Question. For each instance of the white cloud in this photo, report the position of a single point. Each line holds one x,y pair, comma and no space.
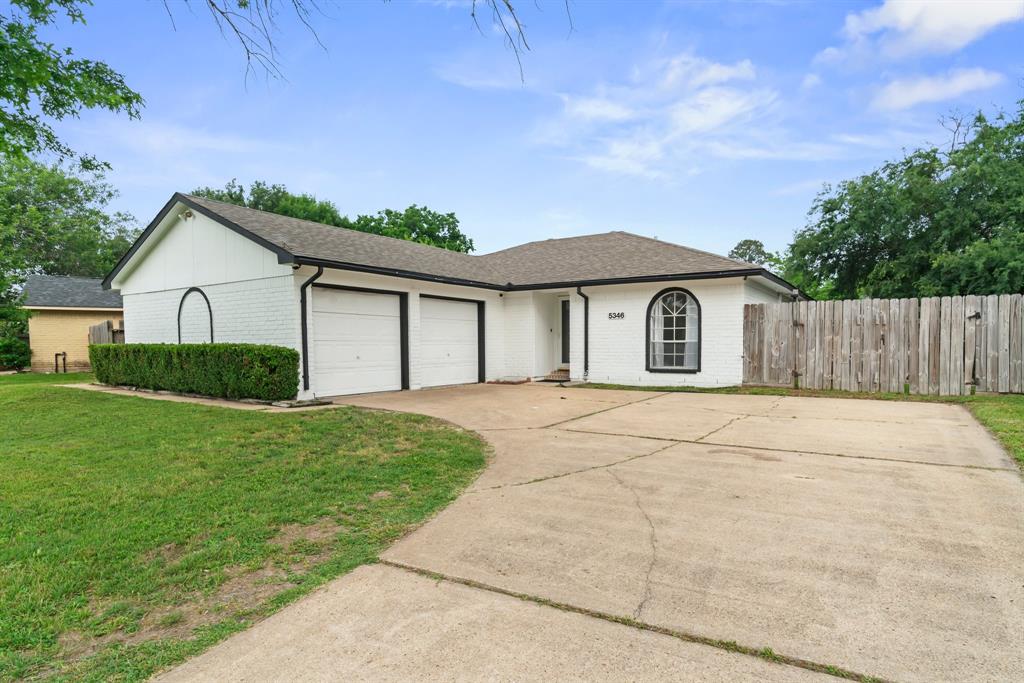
904,93
810,81
596,109
664,119
898,28
689,71
714,108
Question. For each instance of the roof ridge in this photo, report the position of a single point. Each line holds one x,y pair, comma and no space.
694,249
326,225
551,239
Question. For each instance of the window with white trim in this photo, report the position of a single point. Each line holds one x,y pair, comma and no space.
674,332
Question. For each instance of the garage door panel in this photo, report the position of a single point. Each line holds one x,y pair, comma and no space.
448,342
358,303
336,354
346,327
357,344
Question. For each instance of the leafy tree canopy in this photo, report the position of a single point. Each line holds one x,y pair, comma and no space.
936,222
416,223
752,251
54,221
39,80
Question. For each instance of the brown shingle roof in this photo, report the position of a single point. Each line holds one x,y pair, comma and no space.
609,256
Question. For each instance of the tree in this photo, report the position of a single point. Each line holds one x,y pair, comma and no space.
54,221
40,82
416,223
38,79
752,251
936,222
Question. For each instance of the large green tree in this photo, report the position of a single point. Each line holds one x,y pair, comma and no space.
936,222
55,221
416,223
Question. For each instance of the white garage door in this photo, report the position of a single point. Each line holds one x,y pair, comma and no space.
357,342
448,342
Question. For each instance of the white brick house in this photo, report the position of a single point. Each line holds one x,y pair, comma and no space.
370,313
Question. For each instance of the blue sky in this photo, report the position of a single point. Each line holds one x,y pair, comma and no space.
698,123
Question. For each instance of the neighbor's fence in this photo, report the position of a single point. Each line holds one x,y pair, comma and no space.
106,333
934,345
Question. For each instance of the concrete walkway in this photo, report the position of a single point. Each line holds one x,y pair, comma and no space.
884,539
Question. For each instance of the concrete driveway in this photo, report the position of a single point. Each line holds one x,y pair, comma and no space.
884,539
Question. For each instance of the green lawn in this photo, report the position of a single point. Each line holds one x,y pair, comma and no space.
135,532
1002,414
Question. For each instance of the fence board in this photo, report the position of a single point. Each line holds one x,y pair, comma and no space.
912,323
1016,344
956,346
992,335
971,315
1004,343
945,314
811,341
799,310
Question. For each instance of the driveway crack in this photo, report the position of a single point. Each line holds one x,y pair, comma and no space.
654,546
579,471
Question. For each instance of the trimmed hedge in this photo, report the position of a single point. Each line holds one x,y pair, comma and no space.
269,373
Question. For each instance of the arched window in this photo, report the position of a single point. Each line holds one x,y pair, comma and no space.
195,318
673,332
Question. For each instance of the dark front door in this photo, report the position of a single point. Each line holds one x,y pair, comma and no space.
565,331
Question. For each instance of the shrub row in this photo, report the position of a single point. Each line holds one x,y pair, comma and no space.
269,373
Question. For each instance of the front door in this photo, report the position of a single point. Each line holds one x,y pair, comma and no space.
565,331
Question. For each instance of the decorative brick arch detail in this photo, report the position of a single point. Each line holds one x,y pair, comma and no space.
209,309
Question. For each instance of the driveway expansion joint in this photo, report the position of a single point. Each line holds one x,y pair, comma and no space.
763,653
605,410
799,452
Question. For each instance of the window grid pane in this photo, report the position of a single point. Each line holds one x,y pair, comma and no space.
673,333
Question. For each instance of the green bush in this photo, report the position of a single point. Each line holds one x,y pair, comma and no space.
14,353
270,373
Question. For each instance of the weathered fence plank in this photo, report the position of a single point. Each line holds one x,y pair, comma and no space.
992,334
912,322
1016,344
956,346
971,315
1004,343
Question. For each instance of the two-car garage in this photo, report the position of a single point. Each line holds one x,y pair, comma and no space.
361,341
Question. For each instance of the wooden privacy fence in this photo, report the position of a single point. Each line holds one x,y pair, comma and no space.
942,346
106,333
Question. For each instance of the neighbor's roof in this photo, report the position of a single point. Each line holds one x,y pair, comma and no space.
54,291
590,259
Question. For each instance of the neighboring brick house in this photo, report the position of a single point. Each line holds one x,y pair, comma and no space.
371,313
63,309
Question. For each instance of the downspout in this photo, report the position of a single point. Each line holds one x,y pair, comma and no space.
586,333
305,327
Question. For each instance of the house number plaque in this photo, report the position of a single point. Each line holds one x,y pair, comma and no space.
617,316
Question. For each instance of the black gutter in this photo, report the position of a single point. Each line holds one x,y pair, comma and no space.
707,275
413,275
305,328
586,333
396,272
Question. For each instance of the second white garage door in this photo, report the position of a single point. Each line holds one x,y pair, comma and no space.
357,342
448,342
